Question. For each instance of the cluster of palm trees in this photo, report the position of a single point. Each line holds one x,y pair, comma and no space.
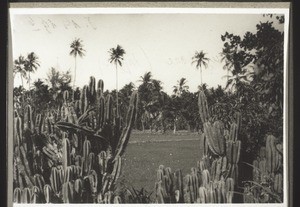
116,57
150,90
153,99
24,66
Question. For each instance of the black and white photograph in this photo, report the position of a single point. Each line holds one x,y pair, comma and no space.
149,106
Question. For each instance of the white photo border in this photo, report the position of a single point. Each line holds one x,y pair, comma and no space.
159,10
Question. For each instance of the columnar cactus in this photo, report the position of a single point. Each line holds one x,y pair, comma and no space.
169,186
92,90
203,107
267,174
47,193
73,154
17,195
66,152
215,137
196,187
220,141
215,178
105,168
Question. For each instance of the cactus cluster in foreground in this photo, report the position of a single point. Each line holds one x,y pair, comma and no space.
215,177
197,187
267,184
71,154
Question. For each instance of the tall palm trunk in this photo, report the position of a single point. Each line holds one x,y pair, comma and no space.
29,80
117,91
201,75
75,72
22,80
174,130
175,120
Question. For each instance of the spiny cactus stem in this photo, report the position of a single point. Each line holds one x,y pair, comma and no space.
126,132
25,164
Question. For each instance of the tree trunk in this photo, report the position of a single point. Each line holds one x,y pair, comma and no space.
22,80
189,127
117,91
143,126
201,75
174,130
163,127
75,73
29,81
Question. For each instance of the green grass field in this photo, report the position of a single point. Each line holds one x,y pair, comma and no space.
146,152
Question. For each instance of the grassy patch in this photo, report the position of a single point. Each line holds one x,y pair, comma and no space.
143,158
138,136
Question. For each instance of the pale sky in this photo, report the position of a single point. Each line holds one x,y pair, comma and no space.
161,43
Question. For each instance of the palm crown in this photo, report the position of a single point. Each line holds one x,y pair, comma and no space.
77,48
116,55
32,62
19,67
146,78
181,86
200,60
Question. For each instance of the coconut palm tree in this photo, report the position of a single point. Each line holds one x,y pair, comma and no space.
180,87
200,60
116,57
31,65
146,78
76,49
156,85
145,87
19,68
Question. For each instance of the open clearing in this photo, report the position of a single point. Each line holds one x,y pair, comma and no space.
145,152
